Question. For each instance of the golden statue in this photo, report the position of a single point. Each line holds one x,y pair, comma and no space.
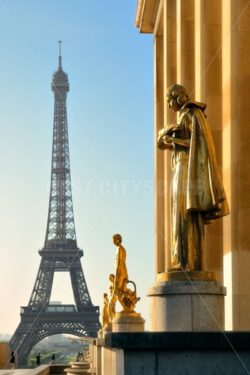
105,311
197,194
112,298
121,274
119,289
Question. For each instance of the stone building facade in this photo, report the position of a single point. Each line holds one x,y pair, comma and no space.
205,46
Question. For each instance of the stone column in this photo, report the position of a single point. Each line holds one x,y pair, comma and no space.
169,76
159,157
185,44
236,154
112,361
208,72
179,299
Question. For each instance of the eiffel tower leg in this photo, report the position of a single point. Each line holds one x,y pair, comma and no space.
26,331
79,286
23,340
40,295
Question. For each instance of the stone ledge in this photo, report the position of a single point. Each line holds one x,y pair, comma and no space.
146,15
186,287
179,341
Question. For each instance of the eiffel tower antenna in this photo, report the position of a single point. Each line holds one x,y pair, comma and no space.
60,53
60,252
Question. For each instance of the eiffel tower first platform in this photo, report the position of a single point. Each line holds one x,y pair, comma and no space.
60,253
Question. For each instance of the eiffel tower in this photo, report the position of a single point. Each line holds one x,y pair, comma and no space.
60,252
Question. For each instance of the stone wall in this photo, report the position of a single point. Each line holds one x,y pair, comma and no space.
176,353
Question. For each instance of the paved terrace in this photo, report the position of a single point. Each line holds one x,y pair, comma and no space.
40,370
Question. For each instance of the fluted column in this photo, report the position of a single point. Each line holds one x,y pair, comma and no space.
236,156
165,75
185,43
159,157
170,66
208,71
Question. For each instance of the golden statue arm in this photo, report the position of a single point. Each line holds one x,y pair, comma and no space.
167,142
181,142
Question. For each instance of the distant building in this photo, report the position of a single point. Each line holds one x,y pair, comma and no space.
4,354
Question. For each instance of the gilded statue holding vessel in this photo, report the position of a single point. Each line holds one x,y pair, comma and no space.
197,194
119,290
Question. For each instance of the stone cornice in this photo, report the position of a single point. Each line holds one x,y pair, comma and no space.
146,15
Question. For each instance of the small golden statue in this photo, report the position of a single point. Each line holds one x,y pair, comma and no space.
105,311
112,298
120,290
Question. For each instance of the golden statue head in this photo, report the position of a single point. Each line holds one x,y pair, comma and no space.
117,239
176,96
111,277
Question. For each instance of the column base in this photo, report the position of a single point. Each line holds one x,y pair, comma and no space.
179,303
128,322
175,275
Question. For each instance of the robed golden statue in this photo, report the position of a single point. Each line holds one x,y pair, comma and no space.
105,319
121,273
120,291
197,194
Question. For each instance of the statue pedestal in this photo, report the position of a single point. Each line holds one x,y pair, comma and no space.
78,368
128,322
187,301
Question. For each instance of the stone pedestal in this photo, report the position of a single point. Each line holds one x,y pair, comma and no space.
128,322
181,353
187,301
79,364
77,368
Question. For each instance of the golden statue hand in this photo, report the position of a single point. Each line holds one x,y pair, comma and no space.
161,133
165,142
168,130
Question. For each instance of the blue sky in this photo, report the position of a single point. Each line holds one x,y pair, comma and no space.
110,118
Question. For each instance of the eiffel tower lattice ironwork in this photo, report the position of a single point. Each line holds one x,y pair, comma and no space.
60,252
